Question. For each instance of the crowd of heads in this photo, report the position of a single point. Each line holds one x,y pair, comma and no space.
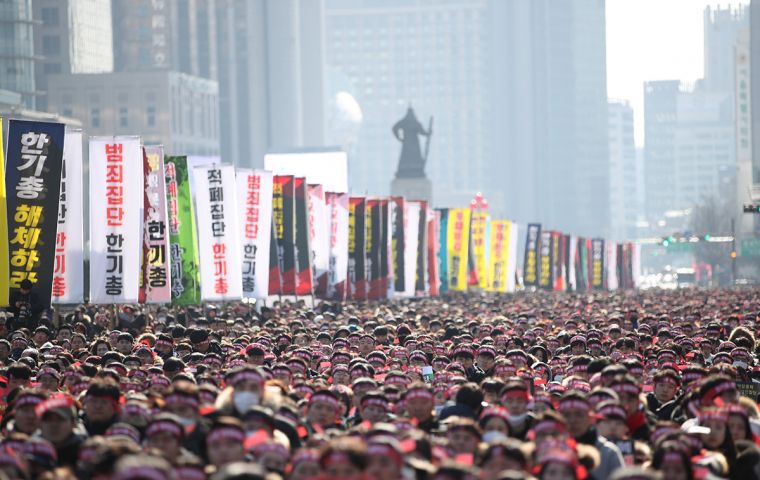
628,385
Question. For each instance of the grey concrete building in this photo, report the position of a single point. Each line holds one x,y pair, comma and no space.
174,109
17,56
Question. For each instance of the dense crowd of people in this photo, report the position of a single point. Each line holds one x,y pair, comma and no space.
626,385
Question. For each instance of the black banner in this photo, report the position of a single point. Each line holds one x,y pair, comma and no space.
283,213
356,245
420,276
304,282
530,265
373,247
397,242
545,260
33,181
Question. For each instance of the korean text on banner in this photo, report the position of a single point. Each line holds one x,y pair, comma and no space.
545,260
68,273
32,182
498,273
357,274
156,275
221,276
185,281
411,237
283,212
304,278
254,191
116,193
3,226
319,238
480,222
597,264
443,249
530,265
398,224
458,247
337,204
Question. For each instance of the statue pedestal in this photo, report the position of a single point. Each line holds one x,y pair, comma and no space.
413,189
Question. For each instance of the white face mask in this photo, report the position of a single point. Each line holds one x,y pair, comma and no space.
245,400
493,436
517,419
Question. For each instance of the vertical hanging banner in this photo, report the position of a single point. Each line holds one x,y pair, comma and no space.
411,237
572,262
304,284
319,239
556,262
388,217
283,211
384,247
530,265
611,263
254,200
597,264
356,245
433,276
4,273
514,238
116,199
480,222
498,272
398,211
458,247
156,264
545,260
373,247
337,204
420,277
183,239
443,249
68,273
221,276
567,260
32,184
275,273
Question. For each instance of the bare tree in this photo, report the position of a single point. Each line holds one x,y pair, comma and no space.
712,216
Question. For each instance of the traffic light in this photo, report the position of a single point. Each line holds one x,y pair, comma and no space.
751,208
733,254
706,237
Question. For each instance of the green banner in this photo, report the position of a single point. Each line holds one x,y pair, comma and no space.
183,240
750,247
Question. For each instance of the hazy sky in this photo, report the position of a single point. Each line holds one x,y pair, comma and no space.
653,40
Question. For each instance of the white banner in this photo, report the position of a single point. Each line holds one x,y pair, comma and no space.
218,241
337,209
68,272
319,238
514,238
411,237
254,199
156,258
116,199
572,279
611,259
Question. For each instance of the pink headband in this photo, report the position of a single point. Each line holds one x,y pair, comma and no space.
163,426
573,404
225,433
182,400
323,397
418,393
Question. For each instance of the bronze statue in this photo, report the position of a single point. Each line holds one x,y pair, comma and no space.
411,163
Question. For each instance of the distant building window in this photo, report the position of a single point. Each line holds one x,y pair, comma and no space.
67,112
51,45
123,117
95,117
50,16
151,116
52,68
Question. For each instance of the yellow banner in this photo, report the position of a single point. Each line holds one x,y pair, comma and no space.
497,265
4,269
458,247
480,254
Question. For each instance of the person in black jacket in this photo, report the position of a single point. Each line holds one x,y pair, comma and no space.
25,307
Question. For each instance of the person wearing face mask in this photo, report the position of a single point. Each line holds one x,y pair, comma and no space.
245,389
515,398
494,421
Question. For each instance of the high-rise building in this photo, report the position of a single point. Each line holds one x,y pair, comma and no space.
690,144
549,113
754,59
623,172
71,36
271,80
722,27
434,56
175,35
17,59
173,109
